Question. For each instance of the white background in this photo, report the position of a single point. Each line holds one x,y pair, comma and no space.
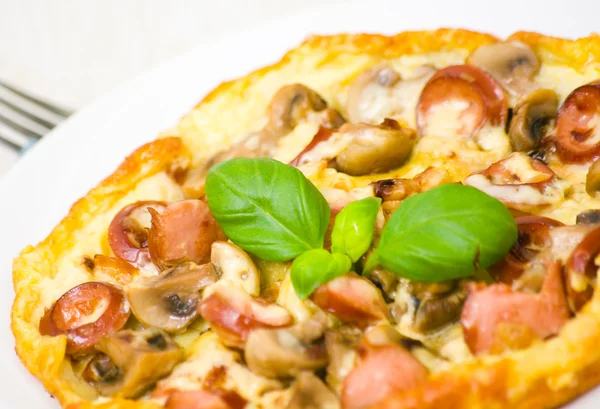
73,51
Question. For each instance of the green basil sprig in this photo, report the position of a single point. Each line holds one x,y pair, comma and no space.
445,233
353,229
267,208
315,267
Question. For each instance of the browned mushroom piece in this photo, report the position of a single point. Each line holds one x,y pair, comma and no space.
235,265
430,306
294,103
512,63
287,352
381,92
589,216
309,392
437,311
169,301
375,148
340,344
592,180
368,84
393,191
532,118
385,280
290,105
132,362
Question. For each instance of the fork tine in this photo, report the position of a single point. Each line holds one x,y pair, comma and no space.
28,115
50,107
9,143
20,128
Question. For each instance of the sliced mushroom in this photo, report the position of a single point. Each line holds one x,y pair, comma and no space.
290,105
590,216
233,264
592,180
425,307
435,312
287,352
309,392
294,103
513,64
374,81
142,358
393,191
380,92
375,149
169,301
341,350
385,280
532,118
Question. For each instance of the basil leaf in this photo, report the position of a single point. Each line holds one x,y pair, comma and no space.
445,233
353,229
316,267
267,208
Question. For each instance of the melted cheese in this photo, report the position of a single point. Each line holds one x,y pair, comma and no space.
206,353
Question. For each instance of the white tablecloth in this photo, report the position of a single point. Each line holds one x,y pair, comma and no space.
73,51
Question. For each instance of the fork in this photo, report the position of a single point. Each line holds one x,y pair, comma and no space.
24,118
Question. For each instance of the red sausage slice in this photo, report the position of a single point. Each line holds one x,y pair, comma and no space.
85,314
233,313
487,307
183,231
577,139
581,270
352,299
381,372
469,90
128,232
533,237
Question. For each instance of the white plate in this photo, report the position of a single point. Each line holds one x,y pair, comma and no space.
39,190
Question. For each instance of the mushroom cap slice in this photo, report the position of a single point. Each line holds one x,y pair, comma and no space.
289,105
589,216
234,264
375,148
310,392
592,180
289,351
436,311
531,119
169,301
512,63
373,81
142,358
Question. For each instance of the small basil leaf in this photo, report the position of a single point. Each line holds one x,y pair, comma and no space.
353,229
445,233
267,208
316,267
